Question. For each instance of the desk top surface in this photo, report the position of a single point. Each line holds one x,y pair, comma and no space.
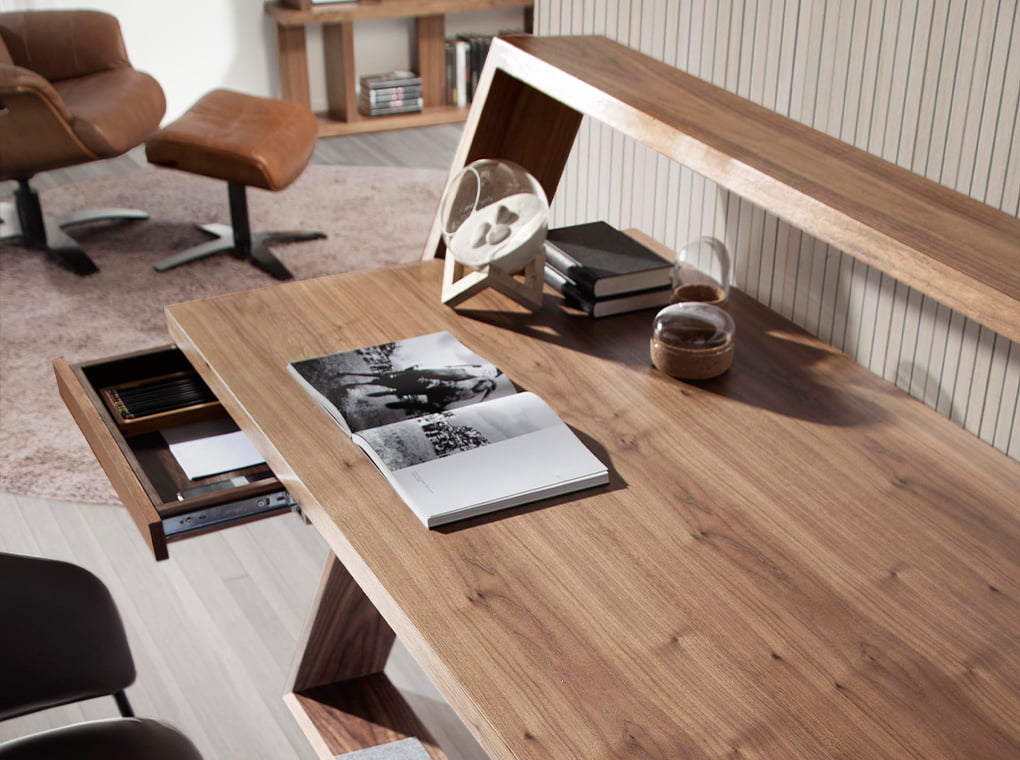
793,560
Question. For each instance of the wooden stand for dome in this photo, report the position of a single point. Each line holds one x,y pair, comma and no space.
461,282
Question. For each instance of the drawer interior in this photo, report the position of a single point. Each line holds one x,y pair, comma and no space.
151,382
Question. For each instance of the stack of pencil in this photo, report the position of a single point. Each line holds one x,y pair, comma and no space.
158,396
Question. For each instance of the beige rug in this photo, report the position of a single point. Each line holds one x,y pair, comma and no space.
373,217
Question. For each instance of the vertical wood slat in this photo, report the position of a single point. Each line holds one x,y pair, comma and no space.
430,41
931,86
338,49
293,61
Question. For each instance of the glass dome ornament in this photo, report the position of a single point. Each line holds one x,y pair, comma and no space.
692,340
701,272
494,217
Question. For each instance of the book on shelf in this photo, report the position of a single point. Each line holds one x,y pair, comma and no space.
399,78
392,107
465,59
578,298
603,261
447,429
388,94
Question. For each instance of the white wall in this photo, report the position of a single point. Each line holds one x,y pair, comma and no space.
932,85
193,46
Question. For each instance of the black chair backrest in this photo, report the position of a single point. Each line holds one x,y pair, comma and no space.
61,636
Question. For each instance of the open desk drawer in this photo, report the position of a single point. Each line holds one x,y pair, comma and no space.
133,452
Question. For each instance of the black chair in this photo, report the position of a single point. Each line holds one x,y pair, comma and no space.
62,641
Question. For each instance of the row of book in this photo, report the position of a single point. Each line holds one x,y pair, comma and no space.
602,271
390,93
465,56
396,92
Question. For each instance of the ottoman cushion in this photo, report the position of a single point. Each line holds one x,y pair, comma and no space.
232,136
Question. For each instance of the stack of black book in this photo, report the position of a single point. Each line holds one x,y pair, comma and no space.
390,93
602,271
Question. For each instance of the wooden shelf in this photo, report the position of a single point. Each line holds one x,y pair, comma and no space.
337,21
329,127
332,13
534,91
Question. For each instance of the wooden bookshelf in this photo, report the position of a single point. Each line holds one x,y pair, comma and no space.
337,21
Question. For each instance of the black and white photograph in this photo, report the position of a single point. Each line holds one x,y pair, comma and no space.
447,429
434,436
386,383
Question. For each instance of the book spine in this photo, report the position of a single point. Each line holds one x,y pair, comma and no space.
369,83
451,67
562,261
573,296
384,110
415,101
461,72
390,93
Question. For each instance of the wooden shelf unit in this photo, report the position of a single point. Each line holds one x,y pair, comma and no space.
534,91
337,21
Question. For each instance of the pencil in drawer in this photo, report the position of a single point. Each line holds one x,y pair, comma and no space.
152,403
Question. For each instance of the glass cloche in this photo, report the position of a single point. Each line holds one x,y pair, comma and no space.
692,340
494,213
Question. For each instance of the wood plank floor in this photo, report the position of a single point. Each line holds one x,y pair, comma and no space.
214,628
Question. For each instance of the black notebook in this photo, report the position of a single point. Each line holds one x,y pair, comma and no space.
603,261
575,298
447,429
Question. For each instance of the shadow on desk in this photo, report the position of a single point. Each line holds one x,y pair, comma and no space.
778,366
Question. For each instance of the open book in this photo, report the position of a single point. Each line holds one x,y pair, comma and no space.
448,429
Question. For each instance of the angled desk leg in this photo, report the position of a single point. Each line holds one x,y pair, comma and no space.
339,694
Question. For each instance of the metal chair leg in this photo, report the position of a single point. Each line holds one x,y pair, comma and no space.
238,240
123,705
24,219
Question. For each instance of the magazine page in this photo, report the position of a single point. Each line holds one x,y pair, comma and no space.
466,461
390,382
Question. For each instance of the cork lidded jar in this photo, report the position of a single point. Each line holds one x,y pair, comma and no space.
693,341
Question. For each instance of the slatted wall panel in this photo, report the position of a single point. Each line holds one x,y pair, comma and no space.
932,85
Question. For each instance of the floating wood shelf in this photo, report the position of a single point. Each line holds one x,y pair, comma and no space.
534,91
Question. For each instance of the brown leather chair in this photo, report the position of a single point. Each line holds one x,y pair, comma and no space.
68,95
62,641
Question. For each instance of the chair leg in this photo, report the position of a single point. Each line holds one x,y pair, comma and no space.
223,243
238,240
38,230
260,255
123,705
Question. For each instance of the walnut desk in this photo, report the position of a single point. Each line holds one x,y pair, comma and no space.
795,560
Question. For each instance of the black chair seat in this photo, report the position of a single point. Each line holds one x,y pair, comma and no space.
120,738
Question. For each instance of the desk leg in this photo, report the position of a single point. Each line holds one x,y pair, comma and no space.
339,694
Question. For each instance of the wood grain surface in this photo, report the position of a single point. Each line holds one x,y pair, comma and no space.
792,560
951,247
345,638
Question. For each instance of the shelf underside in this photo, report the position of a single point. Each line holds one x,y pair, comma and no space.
329,127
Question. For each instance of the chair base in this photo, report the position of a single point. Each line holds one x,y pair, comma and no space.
238,240
256,251
24,219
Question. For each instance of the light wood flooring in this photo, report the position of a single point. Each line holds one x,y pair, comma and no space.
214,628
